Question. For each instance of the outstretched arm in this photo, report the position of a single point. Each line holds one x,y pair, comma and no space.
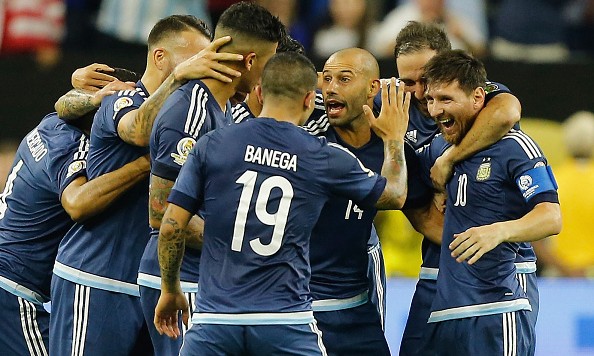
158,193
391,126
542,221
82,198
500,114
135,126
171,251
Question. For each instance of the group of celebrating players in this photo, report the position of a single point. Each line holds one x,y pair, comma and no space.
262,178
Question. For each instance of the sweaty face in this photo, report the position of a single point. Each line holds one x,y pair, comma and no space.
452,109
345,88
410,68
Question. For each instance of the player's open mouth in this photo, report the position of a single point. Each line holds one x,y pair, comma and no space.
334,107
446,122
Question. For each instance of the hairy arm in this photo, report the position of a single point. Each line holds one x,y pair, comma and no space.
82,199
427,220
158,194
542,221
496,119
391,126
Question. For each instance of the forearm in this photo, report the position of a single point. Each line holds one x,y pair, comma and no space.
428,221
194,233
171,249
160,188
493,122
394,170
74,104
96,195
136,129
542,221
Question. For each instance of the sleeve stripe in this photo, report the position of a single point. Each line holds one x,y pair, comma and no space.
196,115
316,126
83,149
365,169
239,118
527,144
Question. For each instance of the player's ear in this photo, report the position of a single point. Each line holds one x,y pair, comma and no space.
309,101
159,57
478,97
258,91
374,87
248,60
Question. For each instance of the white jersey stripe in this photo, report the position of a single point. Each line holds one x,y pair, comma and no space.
192,108
85,321
375,255
202,117
527,144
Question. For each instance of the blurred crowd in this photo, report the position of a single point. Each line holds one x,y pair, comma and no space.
519,30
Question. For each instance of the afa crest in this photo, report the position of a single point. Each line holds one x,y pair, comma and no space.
75,167
184,146
484,172
121,103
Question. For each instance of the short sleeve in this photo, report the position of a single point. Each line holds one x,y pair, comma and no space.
70,161
348,177
187,192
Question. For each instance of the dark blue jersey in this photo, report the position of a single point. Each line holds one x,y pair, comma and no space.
262,185
340,238
104,252
189,113
32,219
241,112
503,182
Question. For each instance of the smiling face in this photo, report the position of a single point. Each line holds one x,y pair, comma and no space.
453,109
411,69
346,86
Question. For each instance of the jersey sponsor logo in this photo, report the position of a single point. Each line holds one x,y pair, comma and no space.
271,158
491,87
121,103
184,146
484,171
412,136
75,167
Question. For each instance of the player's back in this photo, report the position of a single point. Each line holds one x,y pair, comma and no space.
32,219
111,243
255,257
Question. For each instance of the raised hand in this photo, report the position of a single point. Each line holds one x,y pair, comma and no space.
207,64
392,122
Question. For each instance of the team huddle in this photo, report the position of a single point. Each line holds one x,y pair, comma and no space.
223,203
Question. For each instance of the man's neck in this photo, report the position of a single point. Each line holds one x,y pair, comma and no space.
357,134
221,91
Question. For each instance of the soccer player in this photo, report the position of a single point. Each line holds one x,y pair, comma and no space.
498,197
199,106
96,307
415,45
260,186
46,190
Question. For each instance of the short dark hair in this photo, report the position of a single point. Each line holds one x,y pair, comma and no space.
456,65
175,24
123,74
302,79
417,36
253,20
289,44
